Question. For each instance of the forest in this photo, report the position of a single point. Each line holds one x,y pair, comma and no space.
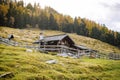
17,14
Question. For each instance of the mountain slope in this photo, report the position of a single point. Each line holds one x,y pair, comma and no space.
30,35
19,15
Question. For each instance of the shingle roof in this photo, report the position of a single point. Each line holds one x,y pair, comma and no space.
81,47
55,37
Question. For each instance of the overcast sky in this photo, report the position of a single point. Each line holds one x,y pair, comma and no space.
101,11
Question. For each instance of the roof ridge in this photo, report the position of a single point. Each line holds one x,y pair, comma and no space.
56,35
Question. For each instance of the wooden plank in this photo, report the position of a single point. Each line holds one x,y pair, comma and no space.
6,75
50,48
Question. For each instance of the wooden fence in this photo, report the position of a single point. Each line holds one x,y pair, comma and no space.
14,43
114,56
58,48
8,42
52,48
61,49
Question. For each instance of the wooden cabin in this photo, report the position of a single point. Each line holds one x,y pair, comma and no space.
62,39
61,43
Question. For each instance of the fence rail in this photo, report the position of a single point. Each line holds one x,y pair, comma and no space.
114,56
61,48
57,48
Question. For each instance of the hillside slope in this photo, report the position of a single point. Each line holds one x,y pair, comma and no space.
30,35
32,66
17,14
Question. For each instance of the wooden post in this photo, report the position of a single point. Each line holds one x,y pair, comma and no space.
39,45
44,44
61,49
78,53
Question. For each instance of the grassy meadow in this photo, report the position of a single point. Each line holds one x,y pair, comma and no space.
33,66
31,35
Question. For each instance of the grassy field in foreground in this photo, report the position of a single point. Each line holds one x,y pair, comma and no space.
33,66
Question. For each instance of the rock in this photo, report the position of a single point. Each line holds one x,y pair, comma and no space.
51,61
70,54
63,55
7,75
29,50
75,57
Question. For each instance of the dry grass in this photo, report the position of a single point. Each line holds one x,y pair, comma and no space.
30,35
102,47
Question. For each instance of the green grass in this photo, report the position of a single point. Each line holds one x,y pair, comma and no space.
33,66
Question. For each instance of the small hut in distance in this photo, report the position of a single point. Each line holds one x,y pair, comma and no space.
61,43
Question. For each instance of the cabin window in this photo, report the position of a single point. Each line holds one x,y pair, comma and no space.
61,43
51,43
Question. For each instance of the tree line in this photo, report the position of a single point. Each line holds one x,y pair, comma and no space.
18,15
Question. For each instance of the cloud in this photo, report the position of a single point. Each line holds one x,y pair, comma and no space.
115,12
112,19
